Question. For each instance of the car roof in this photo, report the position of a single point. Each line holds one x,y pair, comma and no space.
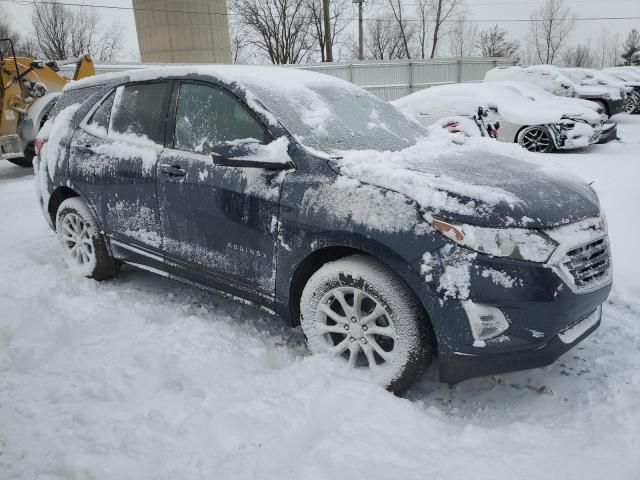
281,78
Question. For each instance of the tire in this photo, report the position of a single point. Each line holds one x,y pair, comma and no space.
27,160
631,104
389,329
536,139
22,162
85,249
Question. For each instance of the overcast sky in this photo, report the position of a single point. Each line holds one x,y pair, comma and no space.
486,12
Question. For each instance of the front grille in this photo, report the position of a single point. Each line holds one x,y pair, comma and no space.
589,264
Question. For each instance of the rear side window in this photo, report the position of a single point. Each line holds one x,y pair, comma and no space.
72,97
100,118
137,110
207,116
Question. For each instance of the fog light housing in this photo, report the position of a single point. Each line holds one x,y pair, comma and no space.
486,322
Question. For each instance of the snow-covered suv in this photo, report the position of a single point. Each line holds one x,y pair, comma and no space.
311,199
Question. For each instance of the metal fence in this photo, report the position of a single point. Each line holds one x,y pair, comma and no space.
389,79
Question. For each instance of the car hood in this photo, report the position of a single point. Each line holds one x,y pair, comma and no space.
475,187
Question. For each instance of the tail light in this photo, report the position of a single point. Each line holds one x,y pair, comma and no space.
37,145
452,127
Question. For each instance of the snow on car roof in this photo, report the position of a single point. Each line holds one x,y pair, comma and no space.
516,102
280,78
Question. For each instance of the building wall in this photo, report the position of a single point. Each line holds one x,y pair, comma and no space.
182,31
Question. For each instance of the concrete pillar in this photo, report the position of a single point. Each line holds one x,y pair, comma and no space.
182,31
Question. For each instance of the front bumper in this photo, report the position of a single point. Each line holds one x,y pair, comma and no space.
609,133
541,303
462,366
615,107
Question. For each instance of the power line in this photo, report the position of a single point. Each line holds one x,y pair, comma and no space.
227,14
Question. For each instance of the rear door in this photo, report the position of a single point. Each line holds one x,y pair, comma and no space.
219,223
115,155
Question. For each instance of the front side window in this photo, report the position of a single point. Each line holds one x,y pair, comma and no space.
207,116
137,110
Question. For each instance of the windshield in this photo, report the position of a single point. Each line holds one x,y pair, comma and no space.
330,118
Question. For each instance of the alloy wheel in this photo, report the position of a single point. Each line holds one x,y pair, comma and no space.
356,327
630,104
77,239
537,139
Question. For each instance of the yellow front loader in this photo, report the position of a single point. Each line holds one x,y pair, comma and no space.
28,91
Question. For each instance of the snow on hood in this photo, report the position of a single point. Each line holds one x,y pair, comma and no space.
476,182
514,102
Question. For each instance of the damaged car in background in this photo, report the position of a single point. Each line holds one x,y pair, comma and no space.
551,79
311,199
514,113
598,78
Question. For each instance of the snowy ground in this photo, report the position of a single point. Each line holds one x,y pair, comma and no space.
141,378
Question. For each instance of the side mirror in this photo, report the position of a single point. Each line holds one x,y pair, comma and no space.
240,162
253,154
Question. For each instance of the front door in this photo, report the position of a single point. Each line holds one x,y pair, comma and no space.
219,223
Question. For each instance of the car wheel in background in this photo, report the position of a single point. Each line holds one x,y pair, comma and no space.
536,139
85,249
358,311
631,104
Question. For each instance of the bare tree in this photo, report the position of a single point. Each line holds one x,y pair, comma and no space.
406,31
493,43
608,49
384,40
443,10
549,28
62,33
462,37
578,56
425,19
23,46
336,19
281,30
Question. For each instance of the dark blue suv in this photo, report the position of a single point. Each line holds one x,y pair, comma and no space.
309,198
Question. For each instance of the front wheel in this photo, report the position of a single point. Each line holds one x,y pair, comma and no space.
359,312
631,104
85,249
536,139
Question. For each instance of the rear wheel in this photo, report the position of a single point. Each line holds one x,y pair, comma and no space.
360,313
85,249
536,139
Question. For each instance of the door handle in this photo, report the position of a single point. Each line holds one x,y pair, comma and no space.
85,149
173,170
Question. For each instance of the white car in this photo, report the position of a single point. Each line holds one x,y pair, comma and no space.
591,77
554,81
530,116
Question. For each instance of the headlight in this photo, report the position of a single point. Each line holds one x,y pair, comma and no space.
516,243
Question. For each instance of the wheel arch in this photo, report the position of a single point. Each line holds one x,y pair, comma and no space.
316,259
58,196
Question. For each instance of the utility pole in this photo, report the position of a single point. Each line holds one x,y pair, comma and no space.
327,31
360,32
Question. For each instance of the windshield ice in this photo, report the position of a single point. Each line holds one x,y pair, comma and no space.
329,118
